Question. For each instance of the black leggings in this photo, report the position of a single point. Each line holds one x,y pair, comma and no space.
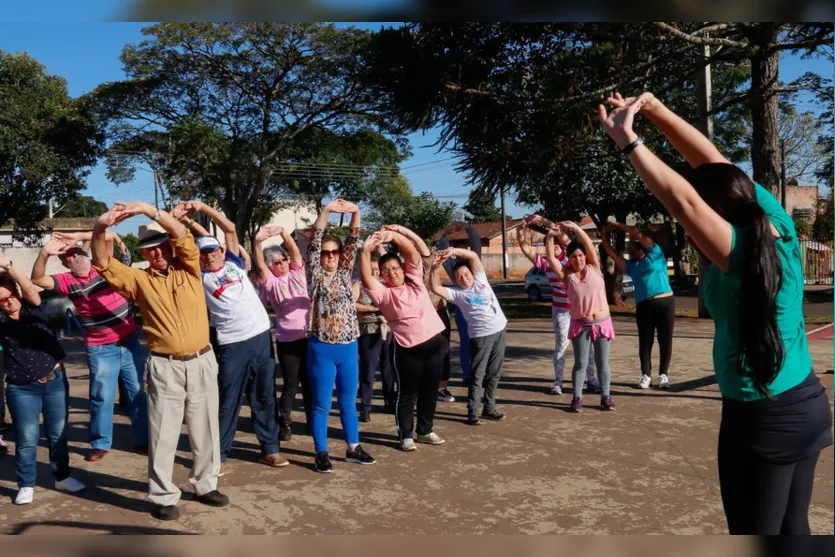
370,348
418,370
656,314
443,313
762,497
292,357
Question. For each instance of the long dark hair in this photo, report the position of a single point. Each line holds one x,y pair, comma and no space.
729,192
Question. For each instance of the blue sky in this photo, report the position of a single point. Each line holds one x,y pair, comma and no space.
87,54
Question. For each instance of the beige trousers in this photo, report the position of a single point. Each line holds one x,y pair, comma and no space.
176,388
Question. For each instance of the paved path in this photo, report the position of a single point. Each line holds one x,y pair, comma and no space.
648,468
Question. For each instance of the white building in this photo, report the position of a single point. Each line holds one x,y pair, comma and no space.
24,257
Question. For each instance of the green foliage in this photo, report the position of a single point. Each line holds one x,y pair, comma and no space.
482,207
83,206
392,202
802,225
48,142
824,225
131,241
237,112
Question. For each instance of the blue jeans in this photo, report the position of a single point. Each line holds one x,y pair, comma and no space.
249,365
107,363
26,403
329,364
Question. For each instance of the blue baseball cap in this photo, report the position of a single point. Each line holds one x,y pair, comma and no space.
207,243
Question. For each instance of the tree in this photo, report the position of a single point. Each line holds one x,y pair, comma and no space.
247,114
131,241
481,207
822,229
513,102
802,225
48,143
83,206
394,203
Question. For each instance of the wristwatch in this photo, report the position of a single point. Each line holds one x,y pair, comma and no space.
8,266
157,215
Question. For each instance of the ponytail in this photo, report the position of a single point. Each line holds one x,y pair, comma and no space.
761,347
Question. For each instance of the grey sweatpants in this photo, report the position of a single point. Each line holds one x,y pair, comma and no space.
176,388
486,358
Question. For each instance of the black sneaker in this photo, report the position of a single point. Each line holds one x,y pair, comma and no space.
213,499
166,512
474,420
359,456
390,407
322,462
365,417
284,434
493,414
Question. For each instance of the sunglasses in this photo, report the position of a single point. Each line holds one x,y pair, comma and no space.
333,252
279,261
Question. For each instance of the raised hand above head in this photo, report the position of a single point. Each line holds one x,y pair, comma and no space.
646,101
385,236
55,246
618,122
268,232
115,215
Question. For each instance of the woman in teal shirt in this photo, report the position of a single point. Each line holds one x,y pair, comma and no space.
656,309
775,413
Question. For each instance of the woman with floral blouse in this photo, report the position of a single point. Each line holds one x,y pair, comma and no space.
333,330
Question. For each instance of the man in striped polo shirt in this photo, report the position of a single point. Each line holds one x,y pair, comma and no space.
559,302
113,349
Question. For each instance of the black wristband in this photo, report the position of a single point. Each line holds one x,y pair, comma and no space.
631,147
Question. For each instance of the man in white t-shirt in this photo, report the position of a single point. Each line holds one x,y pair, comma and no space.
243,337
486,324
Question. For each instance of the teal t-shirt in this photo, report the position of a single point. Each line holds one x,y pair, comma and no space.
722,301
649,275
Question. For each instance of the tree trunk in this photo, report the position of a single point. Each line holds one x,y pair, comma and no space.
765,148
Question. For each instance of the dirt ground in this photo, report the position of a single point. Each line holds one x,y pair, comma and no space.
648,468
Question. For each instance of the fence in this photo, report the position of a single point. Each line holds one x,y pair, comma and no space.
817,259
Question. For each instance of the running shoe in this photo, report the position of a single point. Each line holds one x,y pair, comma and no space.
606,403
663,382
493,414
430,439
25,495
555,389
445,396
70,485
576,404
407,445
365,417
322,462
645,382
359,456
473,420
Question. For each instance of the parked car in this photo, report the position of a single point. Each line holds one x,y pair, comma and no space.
538,288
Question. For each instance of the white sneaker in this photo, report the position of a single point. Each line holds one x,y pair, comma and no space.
70,485
431,439
408,445
663,382
24,496
645,382
555,389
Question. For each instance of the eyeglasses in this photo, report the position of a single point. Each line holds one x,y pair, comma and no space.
279,261
332,252
6,300
390,271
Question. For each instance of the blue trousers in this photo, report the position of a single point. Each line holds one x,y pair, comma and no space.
330,364
464,337
26,403
247,365
108,363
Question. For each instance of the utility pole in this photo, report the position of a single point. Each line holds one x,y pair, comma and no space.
504,238
783,173
705,100
156,189
51,207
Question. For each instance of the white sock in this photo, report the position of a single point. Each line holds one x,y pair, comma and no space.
352,446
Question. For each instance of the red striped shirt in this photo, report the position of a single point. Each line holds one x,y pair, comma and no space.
559,295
